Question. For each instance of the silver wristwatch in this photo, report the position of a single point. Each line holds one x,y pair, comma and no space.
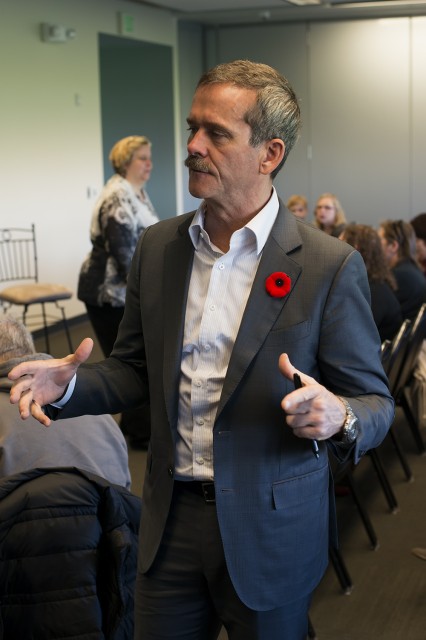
350,427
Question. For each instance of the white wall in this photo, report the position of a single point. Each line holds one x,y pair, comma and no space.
363,97
50,122
360,116
191,66
361,85
418,128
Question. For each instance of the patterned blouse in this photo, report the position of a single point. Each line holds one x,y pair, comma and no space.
118,219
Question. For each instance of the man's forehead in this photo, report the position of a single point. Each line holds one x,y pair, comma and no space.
225,90
219,100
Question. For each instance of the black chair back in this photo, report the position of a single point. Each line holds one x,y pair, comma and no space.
414,343
398,350
385,354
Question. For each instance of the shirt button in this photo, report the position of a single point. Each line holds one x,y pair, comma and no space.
198,383
200,421
221,266
212,307
199,461
207,347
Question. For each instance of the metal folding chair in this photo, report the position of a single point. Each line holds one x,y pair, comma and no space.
18,262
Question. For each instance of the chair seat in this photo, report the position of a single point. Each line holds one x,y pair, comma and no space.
34,293
18,269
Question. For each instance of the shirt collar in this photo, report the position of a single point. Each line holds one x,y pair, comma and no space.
260,226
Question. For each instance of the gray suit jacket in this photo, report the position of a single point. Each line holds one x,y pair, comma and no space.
272,492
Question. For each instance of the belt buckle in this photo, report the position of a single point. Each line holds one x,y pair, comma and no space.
208,492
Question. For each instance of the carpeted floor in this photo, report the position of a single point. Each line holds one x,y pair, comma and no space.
388,599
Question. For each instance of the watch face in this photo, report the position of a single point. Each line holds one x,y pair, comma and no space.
350,430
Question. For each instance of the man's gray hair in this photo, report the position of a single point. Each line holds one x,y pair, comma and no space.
276,113
15,339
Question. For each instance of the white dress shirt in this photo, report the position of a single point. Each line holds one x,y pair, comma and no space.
218,292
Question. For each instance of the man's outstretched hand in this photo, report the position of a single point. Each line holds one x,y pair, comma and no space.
40,382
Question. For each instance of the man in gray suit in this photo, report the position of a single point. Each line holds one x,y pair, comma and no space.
223,307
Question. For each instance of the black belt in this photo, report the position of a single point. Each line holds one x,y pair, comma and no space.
204,489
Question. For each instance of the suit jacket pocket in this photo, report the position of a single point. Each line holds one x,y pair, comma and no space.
289,335
300,489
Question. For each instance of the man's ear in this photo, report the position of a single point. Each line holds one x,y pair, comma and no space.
273,153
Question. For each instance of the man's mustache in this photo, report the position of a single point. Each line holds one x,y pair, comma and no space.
197,164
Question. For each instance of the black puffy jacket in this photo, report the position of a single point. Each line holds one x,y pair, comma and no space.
68,556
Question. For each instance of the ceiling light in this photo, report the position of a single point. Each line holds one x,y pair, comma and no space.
378,3
302,3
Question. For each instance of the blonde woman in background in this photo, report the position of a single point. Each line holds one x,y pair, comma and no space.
122,211
329,215
298,205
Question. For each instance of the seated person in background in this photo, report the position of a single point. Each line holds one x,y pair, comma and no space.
419,225
384,303
92,443
399,245
298,205
329,215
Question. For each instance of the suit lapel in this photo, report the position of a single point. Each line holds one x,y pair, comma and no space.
262,310
176,276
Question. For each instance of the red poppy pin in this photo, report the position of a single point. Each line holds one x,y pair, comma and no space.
278,284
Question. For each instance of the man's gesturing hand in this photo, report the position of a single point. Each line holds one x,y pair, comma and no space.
312,411
40,382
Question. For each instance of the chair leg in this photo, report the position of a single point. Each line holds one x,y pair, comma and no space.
340,569
65,323
311,631
403,460
45,328
412,423
384,480
362,511
45,331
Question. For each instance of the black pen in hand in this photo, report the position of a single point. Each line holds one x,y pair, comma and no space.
297,385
